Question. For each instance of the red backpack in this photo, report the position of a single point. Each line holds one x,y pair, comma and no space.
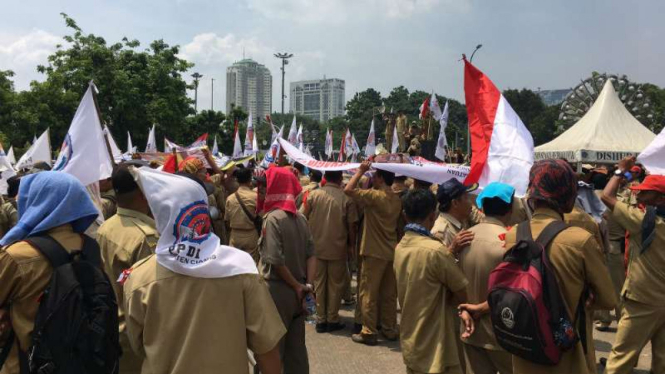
528,312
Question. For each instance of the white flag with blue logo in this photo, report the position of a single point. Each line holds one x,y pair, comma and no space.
83,153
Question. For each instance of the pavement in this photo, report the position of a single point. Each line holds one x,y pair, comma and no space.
335,353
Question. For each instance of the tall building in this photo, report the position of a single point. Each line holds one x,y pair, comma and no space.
321,99
249,85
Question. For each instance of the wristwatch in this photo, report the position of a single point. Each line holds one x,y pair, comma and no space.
623,174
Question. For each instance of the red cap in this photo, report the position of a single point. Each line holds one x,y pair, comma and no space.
636,169
651,183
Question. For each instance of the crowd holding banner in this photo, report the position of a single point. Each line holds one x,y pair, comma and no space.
195,246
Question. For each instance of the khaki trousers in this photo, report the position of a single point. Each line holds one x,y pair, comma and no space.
247,240
130,362
357,316
292,349
449,370
639,324
329,288
484,361
378,289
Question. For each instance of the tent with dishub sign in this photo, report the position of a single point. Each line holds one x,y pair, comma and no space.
606,134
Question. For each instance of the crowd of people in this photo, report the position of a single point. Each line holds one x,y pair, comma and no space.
217,270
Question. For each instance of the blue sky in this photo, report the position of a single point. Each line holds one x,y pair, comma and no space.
369,43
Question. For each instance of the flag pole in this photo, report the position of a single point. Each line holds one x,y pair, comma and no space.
99,115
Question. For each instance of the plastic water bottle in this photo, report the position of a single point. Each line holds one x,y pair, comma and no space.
310,306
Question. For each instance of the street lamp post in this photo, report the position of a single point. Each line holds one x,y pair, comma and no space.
285,60
212,94
196,77
474,51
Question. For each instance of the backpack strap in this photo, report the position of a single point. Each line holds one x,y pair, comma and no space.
91,252
51,249
550,232
648,228
244,207
524,231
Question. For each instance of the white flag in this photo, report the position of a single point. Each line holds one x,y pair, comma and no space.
10,156
329,143
83,153
395,145
653,156
293,132
442,142
6,171
250,138
273,153
39,151
370,148
301,139
169,145
355,146
435,108
117,153
215,147
237,145
130,146
151,147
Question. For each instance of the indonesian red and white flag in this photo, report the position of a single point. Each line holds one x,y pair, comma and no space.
502,147
424,109
370,147
344,147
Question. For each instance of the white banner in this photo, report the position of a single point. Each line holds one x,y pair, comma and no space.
429,172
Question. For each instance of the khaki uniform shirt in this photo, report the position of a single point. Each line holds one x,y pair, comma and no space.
477,261
304,180
382,211
306,190
446,227
645,281
235,215
414,147
182,324
285,241
24,274
426,276
577,262
124,239
8,217
616,232
579,218
331,214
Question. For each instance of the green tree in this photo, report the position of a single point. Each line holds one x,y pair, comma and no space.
360,111
137,88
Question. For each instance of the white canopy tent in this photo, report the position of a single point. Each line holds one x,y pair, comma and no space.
606,134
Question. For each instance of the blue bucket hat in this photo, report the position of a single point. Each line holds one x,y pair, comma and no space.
503,191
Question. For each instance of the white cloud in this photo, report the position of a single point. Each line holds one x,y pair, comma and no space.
23,53
339,11
212,54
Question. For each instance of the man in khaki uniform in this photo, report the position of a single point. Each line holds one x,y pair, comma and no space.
382,209
8,216
402,130
455,210
332,220
313,183
482,352
125,238
643,315
287,263
24,271
430,286
576,258
108,199
389,120
243,231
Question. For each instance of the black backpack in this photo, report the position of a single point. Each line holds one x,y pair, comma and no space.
76,328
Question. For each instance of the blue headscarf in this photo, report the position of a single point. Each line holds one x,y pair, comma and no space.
50,199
